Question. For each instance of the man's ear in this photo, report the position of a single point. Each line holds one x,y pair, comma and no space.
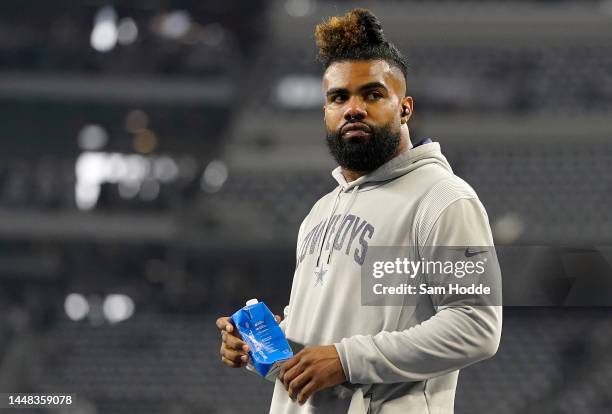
407,107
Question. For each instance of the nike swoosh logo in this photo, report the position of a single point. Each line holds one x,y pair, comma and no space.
470,253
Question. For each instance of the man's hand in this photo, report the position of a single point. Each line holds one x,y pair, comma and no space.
310,370
234,351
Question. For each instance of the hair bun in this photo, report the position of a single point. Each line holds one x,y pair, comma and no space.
356,29
358,35
371,25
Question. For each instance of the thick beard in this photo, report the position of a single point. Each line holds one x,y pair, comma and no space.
364,154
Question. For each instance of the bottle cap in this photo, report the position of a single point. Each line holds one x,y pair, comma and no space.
252,302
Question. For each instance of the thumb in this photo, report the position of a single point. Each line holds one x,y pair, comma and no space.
278,318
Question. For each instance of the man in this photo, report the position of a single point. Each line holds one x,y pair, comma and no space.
375,359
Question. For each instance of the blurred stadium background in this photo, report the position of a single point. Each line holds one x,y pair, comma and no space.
158,156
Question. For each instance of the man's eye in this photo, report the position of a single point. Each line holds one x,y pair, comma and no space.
374,96
339,98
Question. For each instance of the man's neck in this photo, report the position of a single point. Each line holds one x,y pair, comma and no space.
352,175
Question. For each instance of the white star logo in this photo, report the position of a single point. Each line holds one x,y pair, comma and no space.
319,276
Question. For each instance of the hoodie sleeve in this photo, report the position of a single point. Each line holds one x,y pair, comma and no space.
454,337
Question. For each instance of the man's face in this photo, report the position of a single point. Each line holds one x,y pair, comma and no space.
363,112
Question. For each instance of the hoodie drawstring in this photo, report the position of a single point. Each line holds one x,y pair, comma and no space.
346,211
329,217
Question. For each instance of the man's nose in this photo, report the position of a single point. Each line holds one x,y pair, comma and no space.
355,110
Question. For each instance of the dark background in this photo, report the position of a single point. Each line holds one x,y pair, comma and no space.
157,158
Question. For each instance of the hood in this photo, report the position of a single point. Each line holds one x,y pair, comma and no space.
423,153
409,160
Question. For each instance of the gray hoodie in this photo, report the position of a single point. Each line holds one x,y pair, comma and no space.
397,359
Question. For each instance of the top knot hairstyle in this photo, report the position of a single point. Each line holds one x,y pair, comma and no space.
357,35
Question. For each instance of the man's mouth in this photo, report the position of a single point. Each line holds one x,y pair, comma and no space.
355,130
355,134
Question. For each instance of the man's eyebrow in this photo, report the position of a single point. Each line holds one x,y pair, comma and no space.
371,85
336,91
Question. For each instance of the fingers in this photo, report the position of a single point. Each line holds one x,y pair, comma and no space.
237,358
233,349
298,383
224,324
231,364
290,374
310,388
289,364
233,342
233,355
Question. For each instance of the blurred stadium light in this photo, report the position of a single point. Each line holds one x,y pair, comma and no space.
76,306
104,33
